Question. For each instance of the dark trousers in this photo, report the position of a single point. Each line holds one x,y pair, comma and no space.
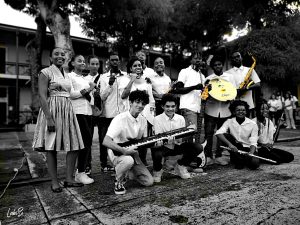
85,125
210,123
278,155
189,152
277,116
103,124
239,160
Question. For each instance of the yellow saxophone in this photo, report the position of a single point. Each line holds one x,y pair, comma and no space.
247,81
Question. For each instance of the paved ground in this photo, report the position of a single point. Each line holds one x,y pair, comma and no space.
221,195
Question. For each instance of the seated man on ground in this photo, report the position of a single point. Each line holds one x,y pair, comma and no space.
124,127
168,121
240,133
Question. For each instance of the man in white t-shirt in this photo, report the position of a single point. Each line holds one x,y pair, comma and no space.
161,83
239,73
190,85
124,127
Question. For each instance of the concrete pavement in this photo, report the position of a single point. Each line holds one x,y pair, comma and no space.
222,195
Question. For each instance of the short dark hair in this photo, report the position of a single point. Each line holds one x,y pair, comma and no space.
92,57
168,98
131,61
214,59
139,95
196,53
237,103
113,53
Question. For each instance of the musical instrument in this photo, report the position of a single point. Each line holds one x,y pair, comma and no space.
249,154
222,90
247,81
150,141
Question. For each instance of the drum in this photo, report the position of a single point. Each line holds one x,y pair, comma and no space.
222,90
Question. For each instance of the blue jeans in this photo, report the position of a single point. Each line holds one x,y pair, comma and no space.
210,123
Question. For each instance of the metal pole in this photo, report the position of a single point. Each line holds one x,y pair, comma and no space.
17,80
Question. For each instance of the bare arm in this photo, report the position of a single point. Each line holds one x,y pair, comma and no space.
43,89
127,89
227,142
109,143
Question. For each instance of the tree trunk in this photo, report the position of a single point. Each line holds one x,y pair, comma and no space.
59,24
34,50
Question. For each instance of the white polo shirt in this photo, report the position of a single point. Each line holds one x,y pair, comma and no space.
246,133
125,127
160,84
217,108
163,123
191,100
80,104
239,75
111,95
266,132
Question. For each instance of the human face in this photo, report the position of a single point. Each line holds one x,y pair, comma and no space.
236,59
141,56
58,57
240,111
79,63
114,61
273,97
159,65
137,68
196,61
169,109
136,107
264,110
218,67
94,66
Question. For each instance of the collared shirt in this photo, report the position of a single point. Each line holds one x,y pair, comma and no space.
239,75
265,132
246,133
274,105
163,123
125,127
160,84
111,95
217,108
80,104
191,100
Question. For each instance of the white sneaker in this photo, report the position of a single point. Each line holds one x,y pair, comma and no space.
221,161
119,188
182,172
83,178
157,176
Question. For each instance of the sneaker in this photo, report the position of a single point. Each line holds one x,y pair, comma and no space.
209,161
288,128
119,188
107,168
182,172
197,170
169,163
221,161
294,128
83,178
157,176
88,170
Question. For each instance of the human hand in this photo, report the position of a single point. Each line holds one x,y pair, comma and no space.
50,125
193,126
92,85
133,76
233,148
111,80
130,151
198,86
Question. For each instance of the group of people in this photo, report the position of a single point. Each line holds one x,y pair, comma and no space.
283,106
142,102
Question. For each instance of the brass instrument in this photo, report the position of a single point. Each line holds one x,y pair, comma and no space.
247,81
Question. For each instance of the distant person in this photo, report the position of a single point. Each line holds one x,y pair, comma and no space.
161,83
266,131
112,85
274,106
288,111
57,129
240,133
294,104
81,99
239,73
124,127
280,111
